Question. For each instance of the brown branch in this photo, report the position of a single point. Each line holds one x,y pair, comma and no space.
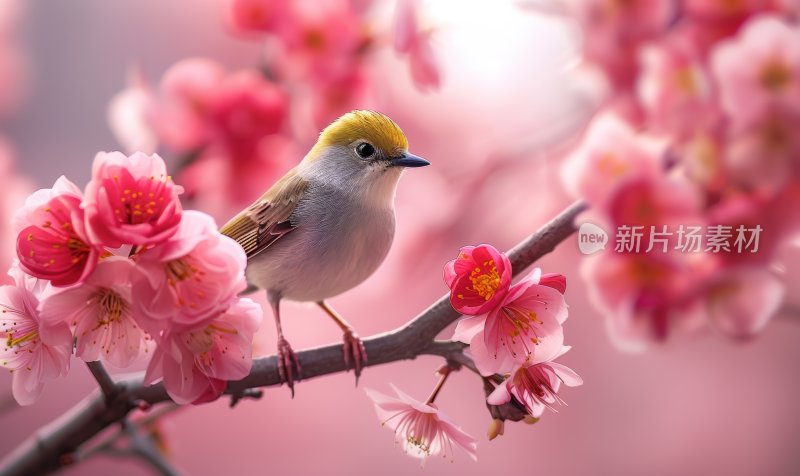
55,443
107,385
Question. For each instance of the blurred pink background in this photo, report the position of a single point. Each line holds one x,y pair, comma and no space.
698,405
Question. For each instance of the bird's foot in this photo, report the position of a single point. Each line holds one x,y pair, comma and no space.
354,352
287,364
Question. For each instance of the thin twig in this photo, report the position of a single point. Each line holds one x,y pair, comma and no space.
107,385
45,450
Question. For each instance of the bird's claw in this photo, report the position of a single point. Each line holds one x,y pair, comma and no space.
354,352
287,364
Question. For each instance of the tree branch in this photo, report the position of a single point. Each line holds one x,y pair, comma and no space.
107,385
45,450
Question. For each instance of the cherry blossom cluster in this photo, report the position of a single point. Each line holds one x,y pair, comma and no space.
698,131
515,333
248,126
119,271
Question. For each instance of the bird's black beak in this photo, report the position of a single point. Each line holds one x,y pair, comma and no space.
409,160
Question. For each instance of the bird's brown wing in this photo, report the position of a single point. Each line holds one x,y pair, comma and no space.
267,220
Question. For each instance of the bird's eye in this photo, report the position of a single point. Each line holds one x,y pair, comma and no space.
365,150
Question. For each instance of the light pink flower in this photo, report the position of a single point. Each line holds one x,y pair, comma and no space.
186,94
759,68
324,39
33,351
613,30
52,242
525,325
423,429
674,87
478,279
131,114
413,41
101,312
535,384
742,301
194,363
191,277
764,155
131,200
15,189
611,154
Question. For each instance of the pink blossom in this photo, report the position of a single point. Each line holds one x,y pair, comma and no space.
525,325
423,429
245,109
724,10
323,41
610,155
674,87
15,189
195,362
131,113
330,97
186,94
535,384
131,200
742,301
33,351
478,279
256,16
101,312
647,297
613,30
759,68
236,181
413,41
764,155
52,242
190,278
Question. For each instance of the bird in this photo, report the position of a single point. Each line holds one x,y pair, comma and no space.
326,225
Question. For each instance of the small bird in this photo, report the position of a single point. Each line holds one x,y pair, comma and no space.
326,225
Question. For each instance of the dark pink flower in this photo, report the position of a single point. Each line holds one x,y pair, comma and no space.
131,200
526,324
423,429
52,242
195,362
478,279
190,278
535,384
101,312
256,16
34,351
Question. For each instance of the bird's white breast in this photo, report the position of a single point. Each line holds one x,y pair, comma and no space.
338,243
